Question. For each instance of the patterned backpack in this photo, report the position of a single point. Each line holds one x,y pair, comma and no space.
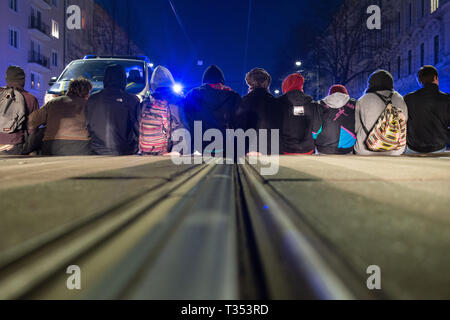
389,133
155,128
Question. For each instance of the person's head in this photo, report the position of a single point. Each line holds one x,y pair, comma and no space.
213,75
380,80
161,78
293,82
258,78
80,88
15,76
428,75
337,88
115,77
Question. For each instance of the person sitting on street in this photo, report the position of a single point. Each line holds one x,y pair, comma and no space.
334,129
65,121
213,104
259,109
162,115
429,115
18,142
112,116
299,111
370,107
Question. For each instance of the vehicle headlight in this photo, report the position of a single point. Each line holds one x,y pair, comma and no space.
49,96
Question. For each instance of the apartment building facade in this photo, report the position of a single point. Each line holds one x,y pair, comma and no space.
413,33
32,38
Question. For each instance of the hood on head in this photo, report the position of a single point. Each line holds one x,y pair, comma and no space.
337,100
213,75
115,77
380,80
293,82
161,78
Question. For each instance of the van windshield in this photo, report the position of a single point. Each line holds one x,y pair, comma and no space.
94,70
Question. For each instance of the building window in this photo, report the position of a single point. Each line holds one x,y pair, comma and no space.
55,29
434,5
35,81
436,50
13,5
399,22
54,59
423,8
409,62
422,54
55,3
399,67
13,38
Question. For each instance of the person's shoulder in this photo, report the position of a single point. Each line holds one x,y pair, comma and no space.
28,95
132,98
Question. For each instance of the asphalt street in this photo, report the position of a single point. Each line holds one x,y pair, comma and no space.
389,212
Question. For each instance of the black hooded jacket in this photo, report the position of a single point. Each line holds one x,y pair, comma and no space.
429,118
299,111
112,116
215,108
259,110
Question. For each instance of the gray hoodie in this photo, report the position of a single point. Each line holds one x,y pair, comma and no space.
337,100
368,110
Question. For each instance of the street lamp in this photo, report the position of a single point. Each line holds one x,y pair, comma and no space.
298,63
277,92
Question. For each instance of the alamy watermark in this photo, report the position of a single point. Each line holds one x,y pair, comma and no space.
74,280
73,21
374,280
235,147
374,21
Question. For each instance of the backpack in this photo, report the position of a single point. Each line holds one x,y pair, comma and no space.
389,133
13,110
155,128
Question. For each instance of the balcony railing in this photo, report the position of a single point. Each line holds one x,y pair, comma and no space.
35,57
39,25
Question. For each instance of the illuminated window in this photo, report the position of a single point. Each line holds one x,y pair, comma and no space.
35,81
434,5
55,29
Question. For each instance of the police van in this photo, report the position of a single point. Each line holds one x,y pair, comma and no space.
138,69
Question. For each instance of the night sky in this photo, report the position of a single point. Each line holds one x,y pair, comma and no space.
215,32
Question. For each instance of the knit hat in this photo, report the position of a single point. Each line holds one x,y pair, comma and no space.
213,75
293,82
161,78
380,80
258,78
338,88
15,74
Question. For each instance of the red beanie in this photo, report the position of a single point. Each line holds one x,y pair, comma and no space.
337,88
293,82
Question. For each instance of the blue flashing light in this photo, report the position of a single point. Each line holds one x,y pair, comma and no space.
177,88
90,56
